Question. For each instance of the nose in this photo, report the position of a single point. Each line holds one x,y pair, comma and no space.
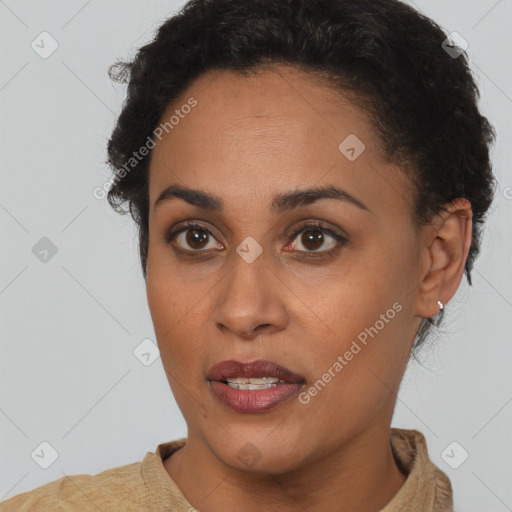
250,300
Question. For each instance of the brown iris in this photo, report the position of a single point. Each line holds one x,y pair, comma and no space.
195,237
314,237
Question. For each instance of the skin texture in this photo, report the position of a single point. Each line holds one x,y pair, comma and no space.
248,139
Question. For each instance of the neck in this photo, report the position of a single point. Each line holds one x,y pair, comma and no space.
360,475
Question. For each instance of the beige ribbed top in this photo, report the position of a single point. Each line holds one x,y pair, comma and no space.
147,486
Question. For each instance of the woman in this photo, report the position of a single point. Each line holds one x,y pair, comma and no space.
309,181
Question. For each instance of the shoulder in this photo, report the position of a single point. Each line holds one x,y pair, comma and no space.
85,492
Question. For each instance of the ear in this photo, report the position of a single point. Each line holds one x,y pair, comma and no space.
445,247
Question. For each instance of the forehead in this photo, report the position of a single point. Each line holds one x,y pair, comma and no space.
270,130
261,101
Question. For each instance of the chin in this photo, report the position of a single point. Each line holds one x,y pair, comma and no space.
259,452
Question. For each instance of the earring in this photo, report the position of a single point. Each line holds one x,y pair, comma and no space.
441,305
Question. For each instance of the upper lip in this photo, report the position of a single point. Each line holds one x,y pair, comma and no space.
259,368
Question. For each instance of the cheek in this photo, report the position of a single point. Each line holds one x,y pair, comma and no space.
178,314
169,298
177,329
351,296
357,378
367,314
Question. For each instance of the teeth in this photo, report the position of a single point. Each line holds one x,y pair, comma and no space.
254,383
253,380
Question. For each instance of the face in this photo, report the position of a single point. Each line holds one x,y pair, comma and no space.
323,286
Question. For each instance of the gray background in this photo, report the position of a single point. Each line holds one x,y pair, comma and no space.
70,325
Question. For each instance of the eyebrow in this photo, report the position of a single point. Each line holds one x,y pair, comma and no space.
281,202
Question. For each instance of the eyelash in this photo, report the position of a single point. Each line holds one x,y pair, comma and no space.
171,235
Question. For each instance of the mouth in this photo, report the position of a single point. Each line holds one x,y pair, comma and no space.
253,387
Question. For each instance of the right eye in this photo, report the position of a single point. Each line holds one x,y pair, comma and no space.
193,238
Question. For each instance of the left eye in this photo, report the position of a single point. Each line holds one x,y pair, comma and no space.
313,237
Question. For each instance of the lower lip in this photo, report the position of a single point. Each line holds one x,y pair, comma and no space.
254,401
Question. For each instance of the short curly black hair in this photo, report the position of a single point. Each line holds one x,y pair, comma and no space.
390,59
